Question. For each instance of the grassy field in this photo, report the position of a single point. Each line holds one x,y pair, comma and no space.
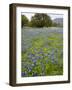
42,52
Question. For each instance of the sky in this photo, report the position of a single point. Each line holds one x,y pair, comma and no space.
53,16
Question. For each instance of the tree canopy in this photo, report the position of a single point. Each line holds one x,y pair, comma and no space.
41,20
24,21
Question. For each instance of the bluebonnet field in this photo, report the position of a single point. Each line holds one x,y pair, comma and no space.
42,52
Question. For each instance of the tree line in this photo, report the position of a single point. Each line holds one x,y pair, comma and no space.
38,20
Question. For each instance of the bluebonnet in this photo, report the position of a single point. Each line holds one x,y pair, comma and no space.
33,60
23,73
30,69
30,55
40,52
39,57
52,57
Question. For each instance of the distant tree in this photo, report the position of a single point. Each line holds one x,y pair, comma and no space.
41,20
24,21
57,24
54,24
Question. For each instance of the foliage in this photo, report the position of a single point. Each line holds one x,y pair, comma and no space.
56,24
41,20
24,21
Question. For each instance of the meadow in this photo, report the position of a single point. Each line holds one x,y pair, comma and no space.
41,51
